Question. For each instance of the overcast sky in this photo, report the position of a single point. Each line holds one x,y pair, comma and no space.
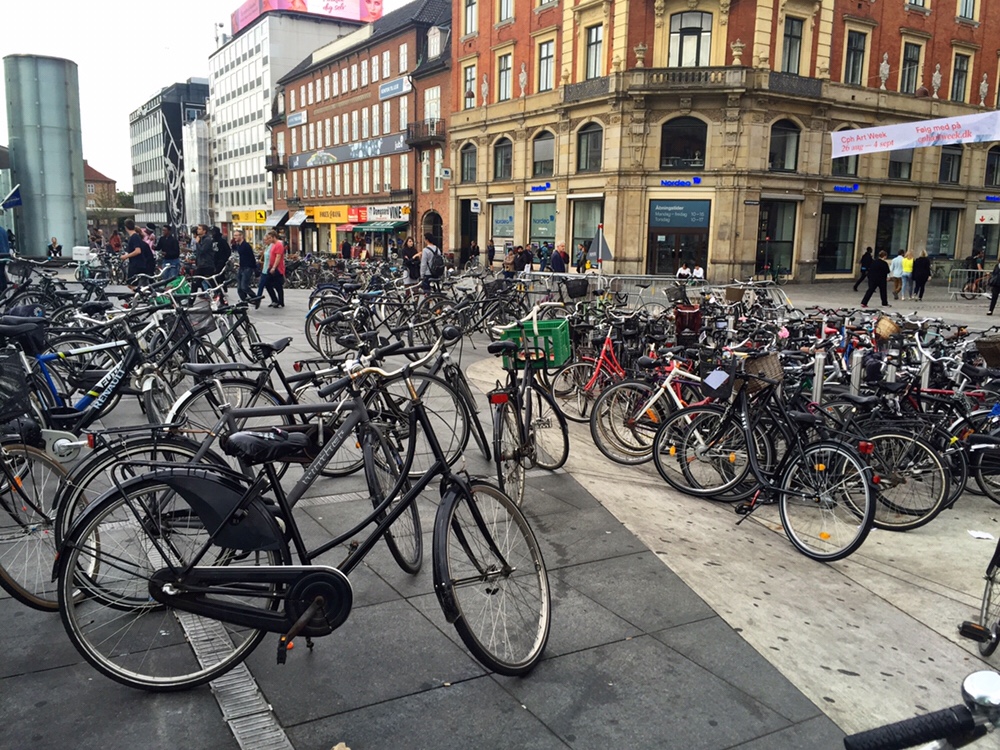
126,51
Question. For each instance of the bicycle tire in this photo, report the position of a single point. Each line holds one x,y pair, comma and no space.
621,429
913,483
455,376
157,398
30,482
115,625
503,611
834,519
507,452
573,391
548,432
989,612
383,473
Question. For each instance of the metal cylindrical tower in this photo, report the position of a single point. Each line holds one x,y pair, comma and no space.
46,151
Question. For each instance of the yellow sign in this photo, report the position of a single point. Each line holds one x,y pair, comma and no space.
261,217
329,214
249,217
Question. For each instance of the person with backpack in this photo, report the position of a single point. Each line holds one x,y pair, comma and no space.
431,263
222,250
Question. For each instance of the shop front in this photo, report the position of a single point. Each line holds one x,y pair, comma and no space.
588,214
987,234
838,233
385,227
327,220
776,235
541,221
942,232
252,224
677,233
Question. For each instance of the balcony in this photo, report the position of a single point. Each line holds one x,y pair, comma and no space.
426,133
658,79
275,162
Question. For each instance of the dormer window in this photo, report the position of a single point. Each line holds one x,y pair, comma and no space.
433,43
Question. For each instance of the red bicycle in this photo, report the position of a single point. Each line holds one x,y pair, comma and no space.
576,386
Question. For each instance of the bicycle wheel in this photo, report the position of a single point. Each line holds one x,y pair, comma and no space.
969,291
548,432
913,482
696,452
29,485
575,388
989,612
507,452
349,458
157,397
383,466
621,424
110,556
826,505
489,573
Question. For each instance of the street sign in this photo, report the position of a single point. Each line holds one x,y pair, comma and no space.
475,206
261,217
751,203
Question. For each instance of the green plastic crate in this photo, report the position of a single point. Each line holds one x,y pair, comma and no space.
548,340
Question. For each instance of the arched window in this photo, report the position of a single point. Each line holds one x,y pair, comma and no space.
682,143
468,161
783,154
690,40
993,168
543,154
589,144
503,157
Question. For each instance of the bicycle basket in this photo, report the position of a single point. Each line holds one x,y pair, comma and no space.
576,288
14,398
548,344
200,315
886,328
717,379
492,289
989,348
768,366
734,294
179,285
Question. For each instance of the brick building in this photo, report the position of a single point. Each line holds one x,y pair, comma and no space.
700,130
358,136
101,190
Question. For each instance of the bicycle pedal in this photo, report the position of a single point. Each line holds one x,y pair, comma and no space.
743,509
975,632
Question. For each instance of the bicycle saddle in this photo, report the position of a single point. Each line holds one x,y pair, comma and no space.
17,320
206,370
897,387
977,373
858,400
351,287
260,447
263,350
95,307
646,363
503,347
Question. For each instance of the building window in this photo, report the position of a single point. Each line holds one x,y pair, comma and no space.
387,174
346,127
546,65
366,178
468,157
433,43
336,180
910,71
792,48
385,64
468,87
326,128
471,17
432,103
375,70
291,100
335,80
326,87
942,231
404,57
595,44
404,113
854,63
354,125
386,117
364,124
783,155
364,72
439,169
951,164
354,76
967,9
959,77
682,143
425,171
588,148
355,183
504,64
404,171
506,11
690,40
900,164
543,154
91,190
844,166
309,93
376,175
343,80
375,120
992,168
503,159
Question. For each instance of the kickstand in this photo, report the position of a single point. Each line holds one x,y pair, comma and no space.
745,509
285,642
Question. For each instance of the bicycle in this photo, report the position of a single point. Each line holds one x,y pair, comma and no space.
182,555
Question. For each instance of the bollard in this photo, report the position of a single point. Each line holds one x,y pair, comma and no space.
819,373
856,358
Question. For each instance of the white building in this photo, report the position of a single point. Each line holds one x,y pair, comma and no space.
243,71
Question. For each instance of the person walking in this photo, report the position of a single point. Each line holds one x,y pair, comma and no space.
411,262
248,264
137,253
866,262
907,277
896,271
429,251
878,274
269,240
994,284
581,258
558,260
491,253
474,252
276,274
921,274
169,251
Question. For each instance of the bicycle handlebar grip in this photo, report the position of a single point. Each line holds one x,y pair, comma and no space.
387,351
336,385
915,731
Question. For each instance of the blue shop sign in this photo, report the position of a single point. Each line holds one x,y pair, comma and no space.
993,198
541,188
846,188
296,118
689,214
681,183
396,87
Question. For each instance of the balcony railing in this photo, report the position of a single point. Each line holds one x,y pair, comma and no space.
715,78
426,132
275,163
593,87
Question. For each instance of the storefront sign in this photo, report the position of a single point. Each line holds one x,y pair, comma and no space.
846,188
392,212
249,217
399,86
988,216
681,183
475,206
503,220
940,132
390,144
296,118
541,188
357,214
679,213
993,198
330,214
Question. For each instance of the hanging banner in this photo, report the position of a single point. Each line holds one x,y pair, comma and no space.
941,132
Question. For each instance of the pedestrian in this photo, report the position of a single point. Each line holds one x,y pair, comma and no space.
543,257
581,258
411,262
921,274
269,240
169,251
276,274
508,263
878,274
994,284
55,249
474,252
520,259
866,262
558,260
137,253
430,250
115,242
248,264
345,249
204,254
491,253
896,271
907,277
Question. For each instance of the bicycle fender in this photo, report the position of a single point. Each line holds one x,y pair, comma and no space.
450,495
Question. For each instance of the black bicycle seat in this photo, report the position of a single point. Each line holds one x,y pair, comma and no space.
858,400
96,307
503,347
260,447
351,287
646,363
264,350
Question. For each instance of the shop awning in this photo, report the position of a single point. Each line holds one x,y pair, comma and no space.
345,227
382,226
298,218
275,218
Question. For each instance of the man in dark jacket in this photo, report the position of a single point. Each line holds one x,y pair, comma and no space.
866,263
170,252
520,259
248,264
878,275
204,252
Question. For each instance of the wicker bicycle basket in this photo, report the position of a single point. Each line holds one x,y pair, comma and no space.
15,400
886,328
768,366
734,294
989,348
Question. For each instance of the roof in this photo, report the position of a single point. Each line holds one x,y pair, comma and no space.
92,175
417,13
